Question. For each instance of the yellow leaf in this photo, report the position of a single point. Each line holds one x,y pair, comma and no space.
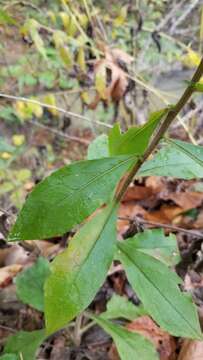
72,29
191,59
85,97
21,110
35,109
120,20
52,16
81,59
5,155
83,19
66,56
100,81
51,100
59,38
65,19
18,140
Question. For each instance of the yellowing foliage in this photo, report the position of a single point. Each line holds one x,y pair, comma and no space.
18,140
191,59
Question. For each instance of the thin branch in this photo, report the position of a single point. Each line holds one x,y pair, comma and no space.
59,133
197,234
172,113
59,109
184,15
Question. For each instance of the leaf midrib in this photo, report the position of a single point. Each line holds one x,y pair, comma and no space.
94,179
150,281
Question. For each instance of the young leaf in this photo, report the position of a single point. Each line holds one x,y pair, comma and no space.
129,344
24,344
68,196
198,86
120,307
136,139
98,148
156,244
157,288
80,270
177,159
30,284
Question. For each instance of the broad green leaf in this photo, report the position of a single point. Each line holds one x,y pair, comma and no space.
98,148
80,270
177,159
136,139
156,244
68,196
24,344
129,344
121,307
157,288
9,357
30,284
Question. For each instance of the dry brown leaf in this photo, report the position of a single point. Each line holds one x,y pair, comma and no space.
198,224
191,350
166,214
164,343
186,200
116,78
7,273
137,193
120,55
128,210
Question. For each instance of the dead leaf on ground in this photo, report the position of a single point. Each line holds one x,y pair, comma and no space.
7,273
187,200
137,193
191,350
128,210
164,343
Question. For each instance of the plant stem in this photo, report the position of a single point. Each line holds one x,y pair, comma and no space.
171,115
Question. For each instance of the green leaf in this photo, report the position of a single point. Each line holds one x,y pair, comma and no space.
80,270
129,344
177,159
24,344
47,79
156,244
157,288
30,284
136,139
98,148
5,18
121,307
8,357
68,196
198,86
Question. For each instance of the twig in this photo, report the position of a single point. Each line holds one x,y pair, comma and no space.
70,113
196,234
59,133
172,113
8,328
184,15
77,330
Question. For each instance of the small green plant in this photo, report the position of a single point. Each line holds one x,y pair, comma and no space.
69,196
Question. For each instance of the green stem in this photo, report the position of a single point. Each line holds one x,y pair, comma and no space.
172,113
